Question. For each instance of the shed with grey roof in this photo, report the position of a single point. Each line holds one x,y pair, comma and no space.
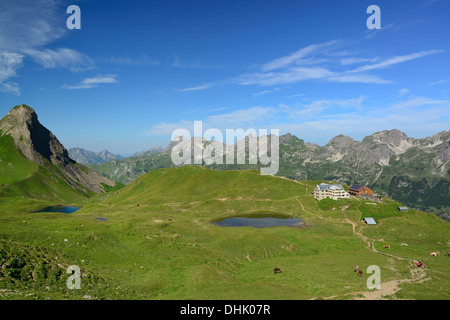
369,220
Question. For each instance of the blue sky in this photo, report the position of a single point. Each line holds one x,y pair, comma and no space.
137,70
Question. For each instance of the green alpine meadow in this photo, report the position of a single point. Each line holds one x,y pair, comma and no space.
156,237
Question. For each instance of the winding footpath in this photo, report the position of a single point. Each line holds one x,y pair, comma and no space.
388,288
418,275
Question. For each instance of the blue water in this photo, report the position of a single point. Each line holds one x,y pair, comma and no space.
259,221
62,209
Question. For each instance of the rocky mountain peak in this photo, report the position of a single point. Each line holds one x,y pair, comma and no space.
341,140
394,137
32,138
39,145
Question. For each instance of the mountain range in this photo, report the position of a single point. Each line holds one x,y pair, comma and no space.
414,171
84,156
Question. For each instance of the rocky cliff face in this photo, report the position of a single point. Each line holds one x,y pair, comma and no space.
41,146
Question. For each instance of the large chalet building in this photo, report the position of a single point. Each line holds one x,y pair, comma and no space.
331,191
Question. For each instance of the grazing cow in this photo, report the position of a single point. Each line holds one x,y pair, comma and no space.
387,246
448,254
434,253
276,270
357,269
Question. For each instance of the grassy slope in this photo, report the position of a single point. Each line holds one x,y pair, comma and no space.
22,182
158,242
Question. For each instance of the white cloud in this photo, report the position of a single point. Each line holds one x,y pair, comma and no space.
142,60
419,102
10,87
26,28
372,32
197,64
30,24
357,78
402,92
440,82
260,93
290,76
396,60
357,60
294,57
242,116
201,87
9,62
166,129
90,83
60,58
315,108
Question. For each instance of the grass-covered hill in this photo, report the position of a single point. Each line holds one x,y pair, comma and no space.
23,179
35,166
158,243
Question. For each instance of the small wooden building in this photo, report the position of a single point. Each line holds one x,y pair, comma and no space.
357,190
369,221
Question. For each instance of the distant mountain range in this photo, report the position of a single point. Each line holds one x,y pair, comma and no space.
414,171
84,156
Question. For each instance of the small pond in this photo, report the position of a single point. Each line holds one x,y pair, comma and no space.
62,209
260,220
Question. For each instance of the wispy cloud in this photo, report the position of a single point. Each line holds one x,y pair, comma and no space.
189,64
260,93
30,24
142,60
9,62
94,82
370,33
292,75
318,62
239,117
289,69
26,28
242,118
396,60
402,92
357,60
420,102
197,88
308,63
316,108
296,56
440,82
357,78
60,58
